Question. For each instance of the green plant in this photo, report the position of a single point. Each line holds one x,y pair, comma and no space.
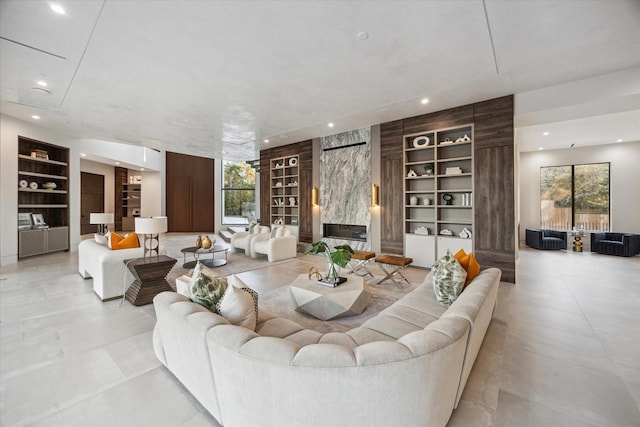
428,168
341,255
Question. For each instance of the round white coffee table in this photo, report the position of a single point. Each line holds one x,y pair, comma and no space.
325,303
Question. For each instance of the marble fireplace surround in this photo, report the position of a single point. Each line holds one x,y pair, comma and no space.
345,231
345,185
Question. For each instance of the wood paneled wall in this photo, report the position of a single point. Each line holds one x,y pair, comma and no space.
304,151
494,191
391,185
120,178
190,192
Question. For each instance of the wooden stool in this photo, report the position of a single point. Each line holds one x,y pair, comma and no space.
363,258
398,262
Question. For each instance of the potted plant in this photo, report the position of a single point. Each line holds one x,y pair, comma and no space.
428,168
339,257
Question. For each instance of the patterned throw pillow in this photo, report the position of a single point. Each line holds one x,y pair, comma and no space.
470,265
238,307
448,279
274,231
243,286
252,228
206,287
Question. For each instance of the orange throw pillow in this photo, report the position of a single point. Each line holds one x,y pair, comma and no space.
116,241
469,263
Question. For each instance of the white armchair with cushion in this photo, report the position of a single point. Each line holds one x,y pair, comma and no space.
242,239
280,244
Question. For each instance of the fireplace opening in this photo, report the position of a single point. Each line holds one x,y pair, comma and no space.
345,231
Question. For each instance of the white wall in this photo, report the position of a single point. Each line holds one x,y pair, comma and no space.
152,194
624,184
11,128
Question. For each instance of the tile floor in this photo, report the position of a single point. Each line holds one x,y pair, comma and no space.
563,348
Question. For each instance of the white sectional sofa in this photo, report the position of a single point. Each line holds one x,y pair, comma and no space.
407,366
106,267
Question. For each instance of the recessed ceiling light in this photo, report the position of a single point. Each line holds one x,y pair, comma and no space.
35,117
266,141
618,140
42,83
58,9
83,155
424,101
117,163
40,91
141,169
330,125
540,148
362,35
546,133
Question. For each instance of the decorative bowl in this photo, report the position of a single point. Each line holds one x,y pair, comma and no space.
49,185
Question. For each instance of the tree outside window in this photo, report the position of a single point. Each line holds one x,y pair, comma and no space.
238,193
575,196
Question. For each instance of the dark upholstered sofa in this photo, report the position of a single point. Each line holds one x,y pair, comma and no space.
546,239
622,244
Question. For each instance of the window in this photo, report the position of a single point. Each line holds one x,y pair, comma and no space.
238,193
575,196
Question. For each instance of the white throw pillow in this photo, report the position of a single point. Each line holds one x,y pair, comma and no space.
101,240
237,307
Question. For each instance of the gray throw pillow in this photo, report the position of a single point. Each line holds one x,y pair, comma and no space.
448,279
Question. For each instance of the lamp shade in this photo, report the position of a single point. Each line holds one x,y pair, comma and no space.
101,218
155,225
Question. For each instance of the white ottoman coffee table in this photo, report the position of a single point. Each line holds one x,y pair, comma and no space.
321,302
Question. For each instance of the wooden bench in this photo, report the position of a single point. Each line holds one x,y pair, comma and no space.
363,258
398,263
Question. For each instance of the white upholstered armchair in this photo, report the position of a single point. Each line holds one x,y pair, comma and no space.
242,240
280,244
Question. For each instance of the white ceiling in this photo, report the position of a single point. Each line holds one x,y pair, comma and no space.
203,77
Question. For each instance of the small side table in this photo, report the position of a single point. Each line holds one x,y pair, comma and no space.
577,240
150,278
577,243
210,262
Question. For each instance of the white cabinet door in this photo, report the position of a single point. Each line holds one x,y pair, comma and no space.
421,248
454,244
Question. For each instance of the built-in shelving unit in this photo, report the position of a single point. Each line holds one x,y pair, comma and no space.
43,190
131,198
438,200
284,200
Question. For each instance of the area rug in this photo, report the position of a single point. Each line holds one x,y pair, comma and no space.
236,263
280,303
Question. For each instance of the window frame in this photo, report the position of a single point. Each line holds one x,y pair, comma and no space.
573,189
223,216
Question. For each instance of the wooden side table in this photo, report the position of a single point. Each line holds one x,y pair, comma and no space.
149,274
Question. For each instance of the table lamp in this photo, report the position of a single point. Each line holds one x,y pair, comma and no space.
102,220
151,229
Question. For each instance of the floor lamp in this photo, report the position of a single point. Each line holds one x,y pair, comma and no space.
151,229
101,220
